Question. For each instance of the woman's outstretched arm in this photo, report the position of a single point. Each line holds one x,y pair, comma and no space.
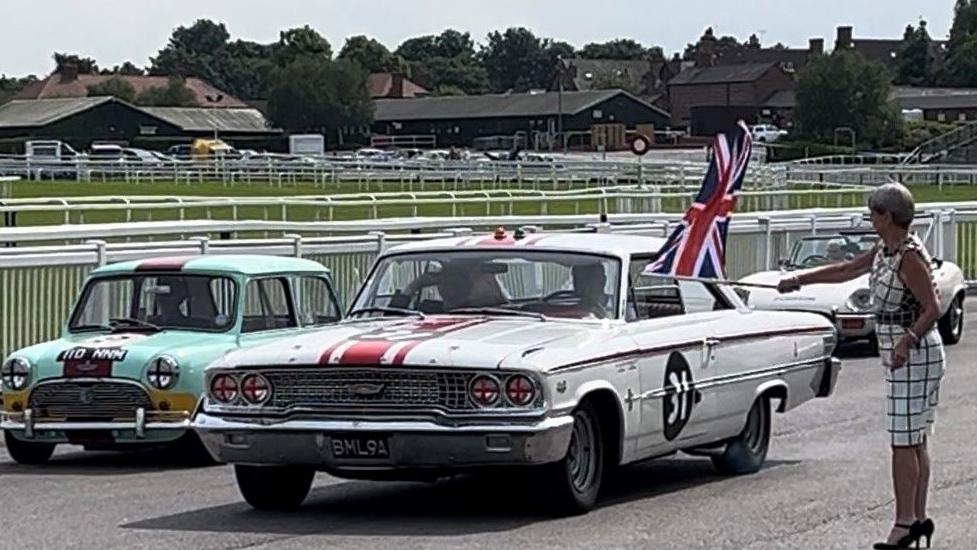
836,273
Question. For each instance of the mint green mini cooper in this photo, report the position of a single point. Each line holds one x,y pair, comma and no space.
128,369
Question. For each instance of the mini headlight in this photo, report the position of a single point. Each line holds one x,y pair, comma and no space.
860,301
163,372
16,373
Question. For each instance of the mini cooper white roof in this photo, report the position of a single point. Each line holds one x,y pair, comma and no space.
606,244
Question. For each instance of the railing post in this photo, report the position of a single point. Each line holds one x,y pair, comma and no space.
381,239
203,243
298,248
950,250
767,226
101,255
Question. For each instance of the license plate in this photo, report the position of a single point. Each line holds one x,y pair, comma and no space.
361,447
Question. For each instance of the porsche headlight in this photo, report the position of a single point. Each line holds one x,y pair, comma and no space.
163,372
860,301
16,373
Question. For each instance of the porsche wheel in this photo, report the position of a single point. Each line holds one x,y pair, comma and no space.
951,324
273,487
575,481
746,453
27,452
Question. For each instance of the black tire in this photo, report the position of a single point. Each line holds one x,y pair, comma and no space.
746,453
575,481
273,487
27,452
951,324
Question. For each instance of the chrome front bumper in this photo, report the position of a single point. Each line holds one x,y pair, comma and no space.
412,444
854,326
828,377
27,423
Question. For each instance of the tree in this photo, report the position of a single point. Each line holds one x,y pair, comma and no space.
961,61
85,65
445,64
300,42
845,89
518,60
313,94
621,48
915,59
115,87
126,69
610,80
174,94
10,87
373,56
199,50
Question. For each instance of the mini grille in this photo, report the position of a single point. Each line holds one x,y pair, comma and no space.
358,387
88,400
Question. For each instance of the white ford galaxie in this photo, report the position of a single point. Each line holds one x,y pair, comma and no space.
546,351
849,305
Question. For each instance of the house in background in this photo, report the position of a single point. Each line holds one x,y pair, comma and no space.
886,50
393,86
69,84
645,78
955,105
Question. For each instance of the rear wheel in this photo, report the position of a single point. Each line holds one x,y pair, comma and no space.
274,487
746,453
575,481
27,452
951,324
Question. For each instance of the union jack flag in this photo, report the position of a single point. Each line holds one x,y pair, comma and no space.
697,247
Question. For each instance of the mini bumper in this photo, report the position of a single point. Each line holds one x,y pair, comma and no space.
28,423
412,444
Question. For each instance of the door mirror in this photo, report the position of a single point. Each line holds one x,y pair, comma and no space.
783,262
938,262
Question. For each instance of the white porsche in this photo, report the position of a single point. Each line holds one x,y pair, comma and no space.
848,305
546,351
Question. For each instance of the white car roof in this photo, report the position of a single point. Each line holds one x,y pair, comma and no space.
606,244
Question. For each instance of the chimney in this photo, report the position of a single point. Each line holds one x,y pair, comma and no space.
705,54
69,73
844,40
397,85
815,47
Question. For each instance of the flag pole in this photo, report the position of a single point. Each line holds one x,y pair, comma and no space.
715,281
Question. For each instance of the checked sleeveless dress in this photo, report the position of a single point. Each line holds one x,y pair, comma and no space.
913,390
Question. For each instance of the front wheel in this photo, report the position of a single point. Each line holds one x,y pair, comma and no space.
27,452
746,453
951,324
575,481
274,487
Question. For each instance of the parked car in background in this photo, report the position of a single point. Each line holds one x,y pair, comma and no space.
180,152
767,133
848,305
546,351
128,369
52,158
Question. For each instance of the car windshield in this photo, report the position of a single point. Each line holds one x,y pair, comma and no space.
833,249
156,302
497,282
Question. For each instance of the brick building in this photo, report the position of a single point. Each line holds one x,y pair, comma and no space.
735,87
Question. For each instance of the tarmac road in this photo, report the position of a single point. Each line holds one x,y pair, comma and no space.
826,485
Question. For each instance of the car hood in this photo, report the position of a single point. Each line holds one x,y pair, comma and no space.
819,298
124,354
443,341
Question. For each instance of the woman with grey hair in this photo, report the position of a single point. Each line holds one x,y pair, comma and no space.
906,310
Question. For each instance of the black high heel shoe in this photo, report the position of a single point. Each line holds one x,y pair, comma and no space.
926,529
906,541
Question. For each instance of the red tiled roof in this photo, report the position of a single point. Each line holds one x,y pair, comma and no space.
382,85
54,87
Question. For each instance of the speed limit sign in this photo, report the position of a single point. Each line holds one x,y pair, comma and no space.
640,146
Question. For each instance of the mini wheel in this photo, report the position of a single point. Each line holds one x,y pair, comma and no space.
27,452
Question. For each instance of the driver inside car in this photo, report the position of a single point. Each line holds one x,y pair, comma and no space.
835,252
589,281
452,283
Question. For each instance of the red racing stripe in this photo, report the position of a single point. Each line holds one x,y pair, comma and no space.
173,263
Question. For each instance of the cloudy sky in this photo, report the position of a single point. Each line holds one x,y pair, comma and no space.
112,31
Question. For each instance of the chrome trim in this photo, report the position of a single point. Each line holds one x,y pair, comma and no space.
140,422
204,423
143,421
745,376
374,413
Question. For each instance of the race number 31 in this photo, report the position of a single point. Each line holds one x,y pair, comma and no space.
680,397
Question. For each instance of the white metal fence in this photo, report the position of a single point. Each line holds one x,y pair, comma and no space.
39,283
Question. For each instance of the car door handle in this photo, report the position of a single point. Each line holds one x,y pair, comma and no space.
712,342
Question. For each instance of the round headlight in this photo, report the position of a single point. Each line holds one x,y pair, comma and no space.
163,372
16,373
860,301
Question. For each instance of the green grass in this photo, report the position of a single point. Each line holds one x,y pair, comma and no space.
923,194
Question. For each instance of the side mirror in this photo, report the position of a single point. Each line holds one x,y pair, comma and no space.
783,262
938,262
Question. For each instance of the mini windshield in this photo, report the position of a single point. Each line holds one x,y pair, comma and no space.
818,251
509,282
156,302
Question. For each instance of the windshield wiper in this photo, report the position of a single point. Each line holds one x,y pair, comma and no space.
86,328
394,310
499,311
129,321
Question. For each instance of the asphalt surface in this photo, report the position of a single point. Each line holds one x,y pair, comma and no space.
825,485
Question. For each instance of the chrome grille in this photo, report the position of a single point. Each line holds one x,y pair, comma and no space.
88,400
393,388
